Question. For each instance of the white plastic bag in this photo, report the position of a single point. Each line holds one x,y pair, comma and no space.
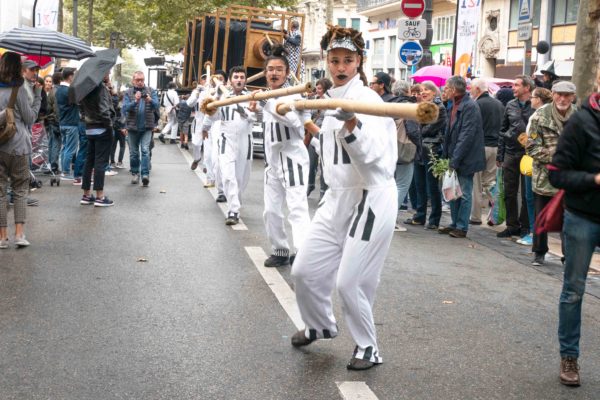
451,187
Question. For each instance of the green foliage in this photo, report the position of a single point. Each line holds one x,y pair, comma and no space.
438,166
160,23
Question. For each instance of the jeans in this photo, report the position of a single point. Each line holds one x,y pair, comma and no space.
404,176
460,209
97,159
581,236
529,199
120,140
54,144
70,139
139,142
427,188
81,153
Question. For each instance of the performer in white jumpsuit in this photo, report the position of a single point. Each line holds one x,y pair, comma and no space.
194,101
235,145
350,234
209,136
170,101
286,171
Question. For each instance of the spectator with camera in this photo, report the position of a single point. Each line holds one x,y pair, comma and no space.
139,104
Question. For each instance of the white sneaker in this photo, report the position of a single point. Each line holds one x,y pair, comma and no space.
4,244
21,241
119,165
399,228
111,173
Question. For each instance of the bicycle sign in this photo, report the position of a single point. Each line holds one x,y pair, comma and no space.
412,28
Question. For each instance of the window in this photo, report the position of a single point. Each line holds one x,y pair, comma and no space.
376,70
514,13
356,23
565,12
342,22
392,48
443,29
378,46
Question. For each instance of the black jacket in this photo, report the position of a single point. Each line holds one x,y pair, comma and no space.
97,108
514,122
432,135
492,111
577,160
463,143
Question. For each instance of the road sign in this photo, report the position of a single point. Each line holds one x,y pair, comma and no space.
525,10
413,8
525,30
412,28
410,53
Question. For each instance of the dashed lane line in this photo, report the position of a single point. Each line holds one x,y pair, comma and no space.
355,391
240,226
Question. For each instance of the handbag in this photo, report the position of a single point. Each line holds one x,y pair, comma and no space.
406,148
8,128
550,219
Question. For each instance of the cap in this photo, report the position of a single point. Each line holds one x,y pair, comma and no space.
385,79
564,87
29,64
342,43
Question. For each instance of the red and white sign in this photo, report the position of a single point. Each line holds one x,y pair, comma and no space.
413,8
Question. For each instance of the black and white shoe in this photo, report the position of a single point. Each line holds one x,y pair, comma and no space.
232,219
277,261
221,198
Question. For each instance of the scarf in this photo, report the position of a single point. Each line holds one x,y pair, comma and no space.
595,101
457,101
559,118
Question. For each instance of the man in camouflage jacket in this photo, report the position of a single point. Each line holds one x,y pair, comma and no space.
543,131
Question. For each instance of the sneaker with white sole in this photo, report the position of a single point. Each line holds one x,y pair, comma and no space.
526,240
399,228
3,243
111,173
119,165
21,241
65,177
103,202
87,200
77,182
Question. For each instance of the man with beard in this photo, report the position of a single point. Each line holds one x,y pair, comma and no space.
235,150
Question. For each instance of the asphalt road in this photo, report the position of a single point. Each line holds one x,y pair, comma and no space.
82,317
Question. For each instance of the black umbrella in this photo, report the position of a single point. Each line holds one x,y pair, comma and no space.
44,42
91,73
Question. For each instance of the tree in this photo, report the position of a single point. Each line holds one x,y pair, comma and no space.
160,23
587,55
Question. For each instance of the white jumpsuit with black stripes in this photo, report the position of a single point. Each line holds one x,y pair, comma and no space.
194,101
286,175
234,150
350,234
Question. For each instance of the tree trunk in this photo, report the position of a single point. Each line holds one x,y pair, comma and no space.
90,21
59,23
329,12
587,55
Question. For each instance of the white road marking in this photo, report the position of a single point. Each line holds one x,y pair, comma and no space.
278,285
355,391
213,191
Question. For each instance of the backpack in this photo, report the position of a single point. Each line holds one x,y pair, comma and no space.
406,148
8,128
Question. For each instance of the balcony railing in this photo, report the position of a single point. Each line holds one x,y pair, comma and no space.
362,5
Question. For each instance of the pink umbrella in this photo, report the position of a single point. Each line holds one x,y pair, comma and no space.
435,73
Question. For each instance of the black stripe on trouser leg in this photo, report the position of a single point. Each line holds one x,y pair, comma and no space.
223,140
368,225
300,177
361,208
345,156
278,127
290,165
249,147
326,334
287,132
312,333
368,353
355,351
272,133
335,152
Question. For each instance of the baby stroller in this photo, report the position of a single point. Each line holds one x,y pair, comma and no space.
39,157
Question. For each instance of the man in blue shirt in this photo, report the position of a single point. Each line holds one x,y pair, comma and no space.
139,104
68,121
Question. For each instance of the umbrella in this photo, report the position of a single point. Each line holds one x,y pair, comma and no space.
435,73
45,42
91,73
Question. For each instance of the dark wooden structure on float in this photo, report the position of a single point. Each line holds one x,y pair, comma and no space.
236,35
